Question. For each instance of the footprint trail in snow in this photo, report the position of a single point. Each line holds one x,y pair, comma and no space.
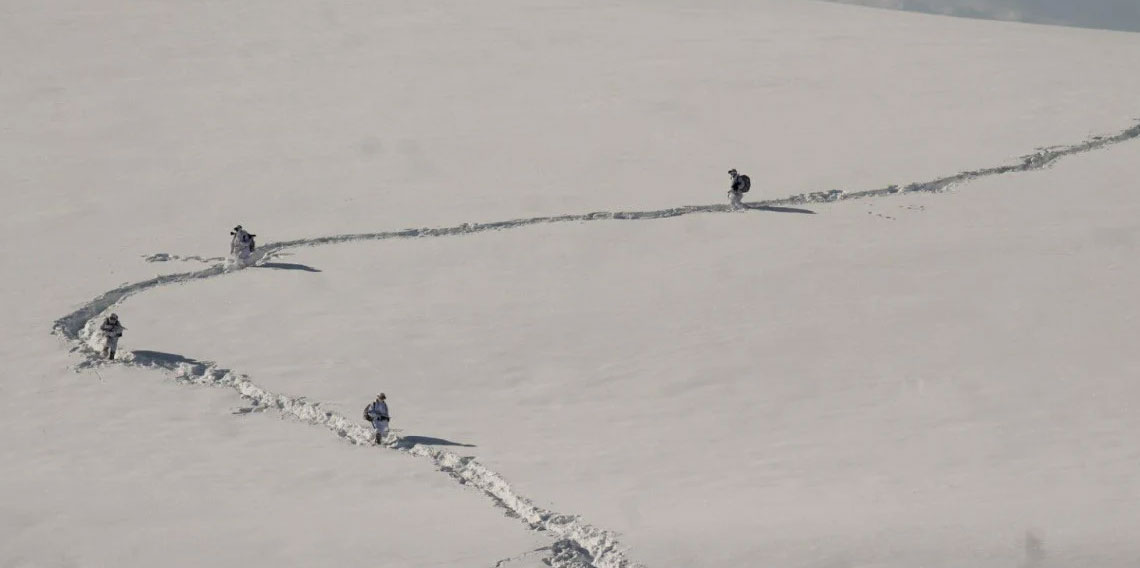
577,544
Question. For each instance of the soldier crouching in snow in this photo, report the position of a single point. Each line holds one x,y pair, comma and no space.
241,245
377,414
111,330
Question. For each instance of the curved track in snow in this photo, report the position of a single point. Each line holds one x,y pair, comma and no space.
577,543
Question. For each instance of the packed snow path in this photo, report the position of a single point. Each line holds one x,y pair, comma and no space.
577,543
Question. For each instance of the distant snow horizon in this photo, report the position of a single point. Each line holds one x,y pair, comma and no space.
1121,15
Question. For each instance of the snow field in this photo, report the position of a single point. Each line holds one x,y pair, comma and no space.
917,380
785,410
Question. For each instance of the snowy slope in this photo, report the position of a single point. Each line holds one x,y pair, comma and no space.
886,382
921,396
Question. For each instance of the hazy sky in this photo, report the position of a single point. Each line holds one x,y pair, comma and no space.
1111,14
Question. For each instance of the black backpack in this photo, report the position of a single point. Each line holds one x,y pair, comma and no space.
742,184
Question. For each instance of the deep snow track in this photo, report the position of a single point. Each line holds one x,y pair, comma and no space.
577,544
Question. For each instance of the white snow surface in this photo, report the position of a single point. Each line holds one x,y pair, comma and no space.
938,374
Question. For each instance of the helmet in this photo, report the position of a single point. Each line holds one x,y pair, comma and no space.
381,396
732,172
113,317
237,228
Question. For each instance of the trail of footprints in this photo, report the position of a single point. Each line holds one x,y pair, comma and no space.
577,544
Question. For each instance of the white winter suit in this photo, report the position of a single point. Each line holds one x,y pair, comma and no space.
111,332
378,414
242,244
736,192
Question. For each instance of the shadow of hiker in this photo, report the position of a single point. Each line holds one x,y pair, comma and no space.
288,266
160,359
780,209
409,441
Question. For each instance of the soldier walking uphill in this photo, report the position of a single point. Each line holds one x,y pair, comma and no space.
241,245
740,185
111,330
377,414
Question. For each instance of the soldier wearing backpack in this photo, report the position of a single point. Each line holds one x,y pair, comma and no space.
740,185
377,414
241,244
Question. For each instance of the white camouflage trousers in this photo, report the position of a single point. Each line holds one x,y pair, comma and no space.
110,344
735,199
381,426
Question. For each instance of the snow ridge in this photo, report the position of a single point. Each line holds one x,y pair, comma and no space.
578,544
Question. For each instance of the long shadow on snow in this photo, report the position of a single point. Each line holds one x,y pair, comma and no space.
287,266
160,359
778,209
170,362
409,441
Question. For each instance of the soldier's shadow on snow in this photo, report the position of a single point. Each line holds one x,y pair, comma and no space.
160,359
409,441
288,266
779,209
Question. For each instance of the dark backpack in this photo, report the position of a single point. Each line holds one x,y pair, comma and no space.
367,418
742,184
